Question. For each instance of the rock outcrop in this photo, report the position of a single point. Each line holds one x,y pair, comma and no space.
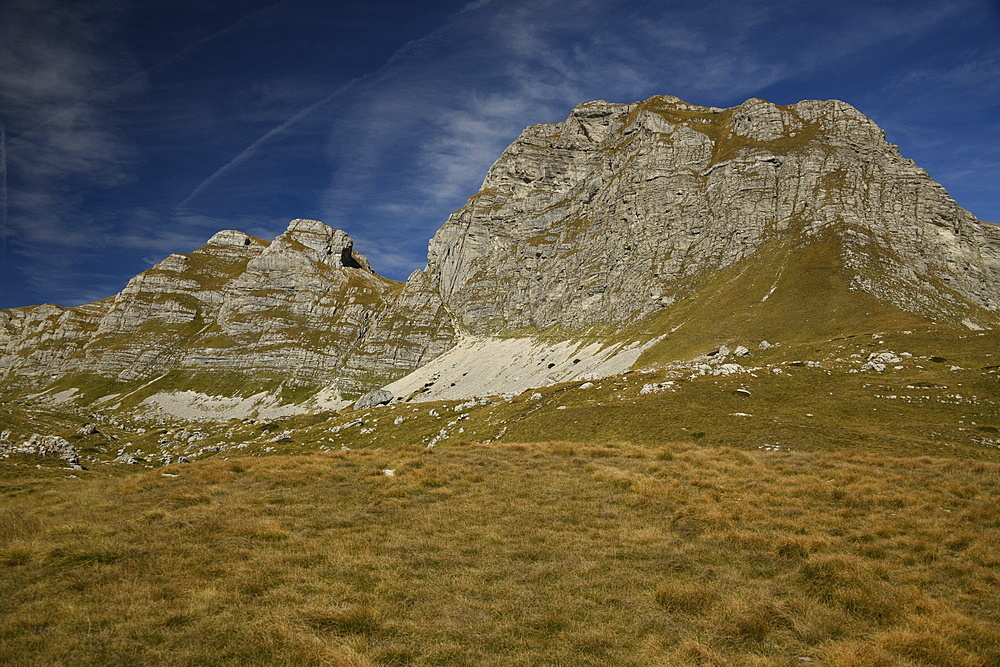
46,446
619,210
236,311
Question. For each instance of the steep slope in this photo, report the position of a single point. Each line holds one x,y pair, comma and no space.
238,315
624,209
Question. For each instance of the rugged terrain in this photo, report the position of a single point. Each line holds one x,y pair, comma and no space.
679,385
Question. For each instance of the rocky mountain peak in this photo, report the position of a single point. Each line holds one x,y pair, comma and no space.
623,209
315,241
233,238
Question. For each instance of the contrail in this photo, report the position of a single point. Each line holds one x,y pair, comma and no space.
397,55
152,69
249,150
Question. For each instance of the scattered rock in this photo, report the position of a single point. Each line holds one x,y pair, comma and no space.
655,387
742,392
764,345
88,429
884,358
48,446
741,351
872,366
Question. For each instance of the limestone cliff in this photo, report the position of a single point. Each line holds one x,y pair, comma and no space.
621,209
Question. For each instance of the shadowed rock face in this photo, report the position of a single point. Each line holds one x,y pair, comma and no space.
616,213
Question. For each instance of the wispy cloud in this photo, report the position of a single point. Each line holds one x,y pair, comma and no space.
250,150
404,52
61,76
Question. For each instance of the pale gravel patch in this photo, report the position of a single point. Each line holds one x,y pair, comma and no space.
195,405
479,366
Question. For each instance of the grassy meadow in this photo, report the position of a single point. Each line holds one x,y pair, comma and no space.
811,516
507,553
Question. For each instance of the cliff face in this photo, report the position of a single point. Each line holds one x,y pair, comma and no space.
621,209
292,309
621,214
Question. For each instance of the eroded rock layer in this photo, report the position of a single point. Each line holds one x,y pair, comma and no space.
620,209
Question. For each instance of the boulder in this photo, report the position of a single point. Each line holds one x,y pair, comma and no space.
373,398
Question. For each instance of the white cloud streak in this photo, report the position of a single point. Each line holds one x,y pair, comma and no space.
401,54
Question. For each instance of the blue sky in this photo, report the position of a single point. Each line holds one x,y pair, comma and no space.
138,129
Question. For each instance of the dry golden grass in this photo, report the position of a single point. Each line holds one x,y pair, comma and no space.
543,553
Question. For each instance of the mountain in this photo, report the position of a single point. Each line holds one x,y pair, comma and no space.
626,234
679,385
624,209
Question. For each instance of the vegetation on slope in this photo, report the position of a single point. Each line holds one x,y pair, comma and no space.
535,553
847,518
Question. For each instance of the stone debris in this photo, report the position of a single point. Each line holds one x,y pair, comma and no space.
47,446
884,358
656,387
480,400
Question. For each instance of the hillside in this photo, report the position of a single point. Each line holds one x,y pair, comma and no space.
687,515
680,385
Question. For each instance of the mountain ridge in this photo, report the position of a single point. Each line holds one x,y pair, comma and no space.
602,228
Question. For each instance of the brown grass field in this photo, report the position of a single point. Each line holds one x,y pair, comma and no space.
525,553
831,517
